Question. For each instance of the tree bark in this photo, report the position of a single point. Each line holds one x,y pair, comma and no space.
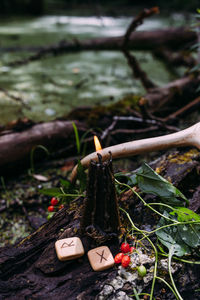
16,147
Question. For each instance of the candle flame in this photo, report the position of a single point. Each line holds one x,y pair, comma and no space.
97,143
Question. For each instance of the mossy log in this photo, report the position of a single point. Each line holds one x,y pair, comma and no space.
31,270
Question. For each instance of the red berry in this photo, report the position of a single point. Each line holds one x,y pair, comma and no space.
51,208
125,247
132,249
118,258
61,206
125,261
54,201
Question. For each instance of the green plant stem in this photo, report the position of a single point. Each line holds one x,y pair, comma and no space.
170,274
154,248
136,294
146,204
70,195
162,204
182,260
78,146
169,286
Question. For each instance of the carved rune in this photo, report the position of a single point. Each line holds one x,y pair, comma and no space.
101,255
65,245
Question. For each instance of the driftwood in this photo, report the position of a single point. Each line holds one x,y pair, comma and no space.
17,146
31,270
171,38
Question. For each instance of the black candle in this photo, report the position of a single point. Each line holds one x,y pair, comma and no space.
100,218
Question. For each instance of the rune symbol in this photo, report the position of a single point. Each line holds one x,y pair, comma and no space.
101,255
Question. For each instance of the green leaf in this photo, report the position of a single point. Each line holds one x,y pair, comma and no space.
182,237
50,215
169,236
150,182
189,233
184,214
51,192
78,146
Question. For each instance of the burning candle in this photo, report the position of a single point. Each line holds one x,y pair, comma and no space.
100,218
97,144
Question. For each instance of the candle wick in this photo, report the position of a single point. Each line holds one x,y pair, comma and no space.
100,158
110,155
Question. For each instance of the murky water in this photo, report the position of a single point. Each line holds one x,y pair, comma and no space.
51,87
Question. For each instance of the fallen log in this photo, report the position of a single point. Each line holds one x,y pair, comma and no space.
171,38
17,146
31,269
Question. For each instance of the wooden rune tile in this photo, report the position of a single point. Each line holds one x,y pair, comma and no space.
69,248
100,258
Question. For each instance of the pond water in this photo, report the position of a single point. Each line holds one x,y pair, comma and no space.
52,86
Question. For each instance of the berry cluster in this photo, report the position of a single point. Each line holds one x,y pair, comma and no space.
123,256
54,203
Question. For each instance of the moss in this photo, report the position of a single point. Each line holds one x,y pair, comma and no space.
130,102
183,158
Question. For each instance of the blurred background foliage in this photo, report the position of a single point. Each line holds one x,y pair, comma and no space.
95,7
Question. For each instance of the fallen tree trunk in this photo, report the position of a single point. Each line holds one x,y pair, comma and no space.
31,270
17,146
172,38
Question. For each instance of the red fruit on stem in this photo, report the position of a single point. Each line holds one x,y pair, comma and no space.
125,261
118,257
132,249
51,208
54,201
125,247
61,206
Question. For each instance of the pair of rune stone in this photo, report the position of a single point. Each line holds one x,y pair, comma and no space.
71,248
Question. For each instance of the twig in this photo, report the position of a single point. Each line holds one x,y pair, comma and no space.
138,21
135,131
135,119
159,123
132,61
109,129
185,109
137,71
